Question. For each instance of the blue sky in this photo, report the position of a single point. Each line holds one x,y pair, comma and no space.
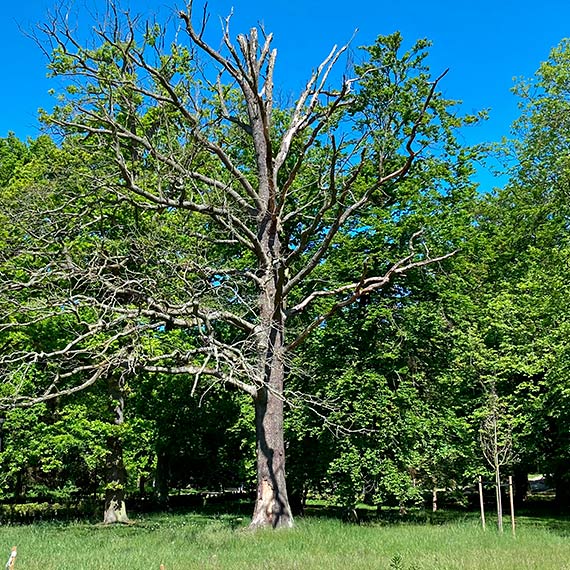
485,44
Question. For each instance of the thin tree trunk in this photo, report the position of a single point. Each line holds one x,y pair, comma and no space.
18,488
116,476
499,498
562,487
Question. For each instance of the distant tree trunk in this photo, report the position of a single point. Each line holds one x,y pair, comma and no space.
162,480
562,489
298,500
142,484
520,480
18,488
115,506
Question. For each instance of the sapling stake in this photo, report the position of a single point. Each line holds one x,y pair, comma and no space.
512,501
12,560
481,503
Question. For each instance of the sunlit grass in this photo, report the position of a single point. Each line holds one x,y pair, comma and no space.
186,542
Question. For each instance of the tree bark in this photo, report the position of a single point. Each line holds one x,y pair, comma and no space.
115,506
562,488
162,480
272,507
116,476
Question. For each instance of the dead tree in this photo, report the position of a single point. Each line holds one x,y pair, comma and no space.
208,211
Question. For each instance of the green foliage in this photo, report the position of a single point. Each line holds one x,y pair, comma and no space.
52,454
118,245
205,441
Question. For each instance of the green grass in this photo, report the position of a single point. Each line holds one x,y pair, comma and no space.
190,541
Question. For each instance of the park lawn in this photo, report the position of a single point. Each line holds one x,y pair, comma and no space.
191,541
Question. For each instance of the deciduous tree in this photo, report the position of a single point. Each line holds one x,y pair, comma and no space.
207,210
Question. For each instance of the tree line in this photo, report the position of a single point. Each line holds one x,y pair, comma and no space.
204,286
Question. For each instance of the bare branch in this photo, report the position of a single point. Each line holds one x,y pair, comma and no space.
356,290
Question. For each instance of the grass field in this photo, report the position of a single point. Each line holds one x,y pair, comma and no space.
192,541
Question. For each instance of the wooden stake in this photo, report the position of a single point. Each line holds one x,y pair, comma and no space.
12,560
512,500
481,504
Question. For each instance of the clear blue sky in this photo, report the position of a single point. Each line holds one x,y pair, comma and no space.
485,44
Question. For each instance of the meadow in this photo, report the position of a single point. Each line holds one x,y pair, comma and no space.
190,541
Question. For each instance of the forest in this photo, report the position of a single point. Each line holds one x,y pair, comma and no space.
208,289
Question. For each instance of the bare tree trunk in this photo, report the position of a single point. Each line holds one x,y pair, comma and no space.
272,507
115,506
116,476
161,483
499,498
272,504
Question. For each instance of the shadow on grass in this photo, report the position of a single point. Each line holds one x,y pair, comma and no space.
544,514
234,513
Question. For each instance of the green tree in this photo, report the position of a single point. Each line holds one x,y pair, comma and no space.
40,175
508,292
536,206
200,442
396,427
